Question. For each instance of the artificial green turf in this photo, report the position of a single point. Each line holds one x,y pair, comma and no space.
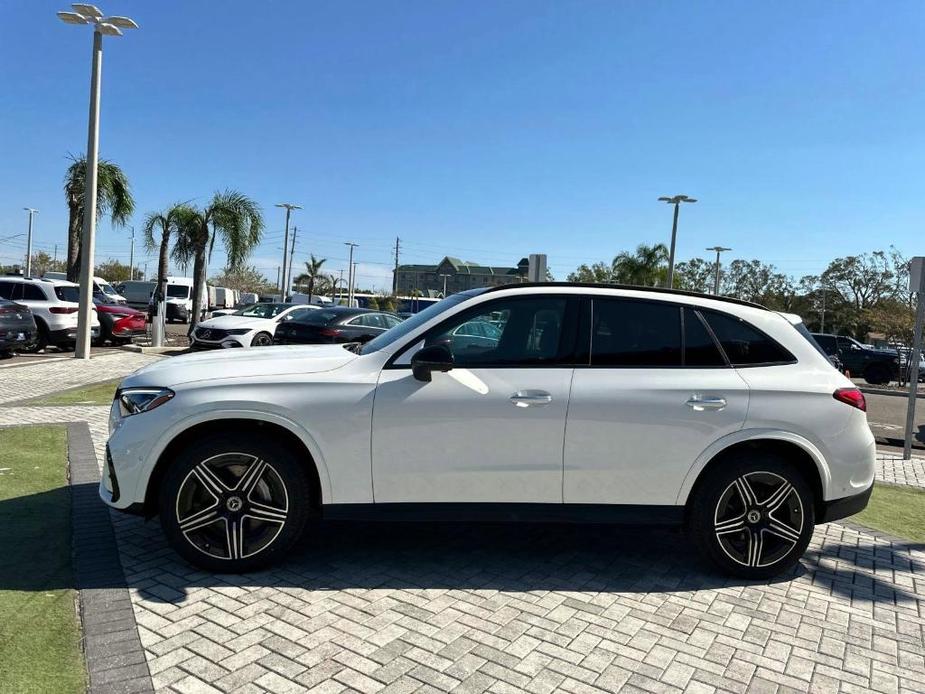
896,510
94,394
39,633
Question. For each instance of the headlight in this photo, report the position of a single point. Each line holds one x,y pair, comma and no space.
239,331
137,400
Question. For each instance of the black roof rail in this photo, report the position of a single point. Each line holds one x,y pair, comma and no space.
603,285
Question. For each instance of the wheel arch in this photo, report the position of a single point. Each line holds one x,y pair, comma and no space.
795,449
237,424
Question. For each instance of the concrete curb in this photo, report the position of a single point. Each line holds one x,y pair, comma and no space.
891,393
140,349
112,647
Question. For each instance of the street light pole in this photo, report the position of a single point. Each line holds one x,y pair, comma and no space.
284,282
676,201
131,257
32,211
350,277
110,26
718,249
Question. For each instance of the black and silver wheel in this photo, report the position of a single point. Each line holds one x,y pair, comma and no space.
229,504
753,517
262,340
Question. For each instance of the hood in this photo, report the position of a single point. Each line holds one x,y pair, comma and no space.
229,322
241,363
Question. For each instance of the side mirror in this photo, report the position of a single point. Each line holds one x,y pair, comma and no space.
428,359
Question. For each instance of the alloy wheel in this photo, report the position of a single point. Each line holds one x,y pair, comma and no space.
758,519
232,506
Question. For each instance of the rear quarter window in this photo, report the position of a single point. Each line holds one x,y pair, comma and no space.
743,343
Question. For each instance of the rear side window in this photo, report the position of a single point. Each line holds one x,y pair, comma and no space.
625,332
32,293
699,346
8,289
68,293
744,344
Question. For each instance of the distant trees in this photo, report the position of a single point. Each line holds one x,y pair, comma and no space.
646,267
42,263
115,271
164,225
313,276
246,278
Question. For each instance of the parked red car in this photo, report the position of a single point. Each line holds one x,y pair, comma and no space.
119,323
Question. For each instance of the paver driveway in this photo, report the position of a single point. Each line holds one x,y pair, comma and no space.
474,608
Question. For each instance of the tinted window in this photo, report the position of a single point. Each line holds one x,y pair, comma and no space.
178,291
32,293
625,332
827,342
417,320
529,332
699,346
7,288
320,317
390,321
67,293
743,343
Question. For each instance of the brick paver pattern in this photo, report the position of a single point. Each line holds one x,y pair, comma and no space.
893,469
473,608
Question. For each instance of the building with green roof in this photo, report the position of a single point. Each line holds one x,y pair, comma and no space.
427,280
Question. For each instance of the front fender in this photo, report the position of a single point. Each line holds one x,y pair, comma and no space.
744,435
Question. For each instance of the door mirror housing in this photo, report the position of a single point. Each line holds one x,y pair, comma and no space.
429,359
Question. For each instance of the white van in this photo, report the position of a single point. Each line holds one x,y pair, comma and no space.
102,289
180,294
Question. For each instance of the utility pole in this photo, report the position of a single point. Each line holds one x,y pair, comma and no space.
131,257
822,319
284,284
395,272
277,276
295,231
56,253
718,249
146,270
676,201
350,277
32,212
444,276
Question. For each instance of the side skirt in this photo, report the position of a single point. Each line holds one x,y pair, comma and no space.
629,514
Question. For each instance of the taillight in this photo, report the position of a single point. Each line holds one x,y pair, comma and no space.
851,396
62,309
329,332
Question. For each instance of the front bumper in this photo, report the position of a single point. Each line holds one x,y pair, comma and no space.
844,507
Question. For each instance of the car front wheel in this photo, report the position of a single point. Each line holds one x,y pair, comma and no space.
752,516
230,505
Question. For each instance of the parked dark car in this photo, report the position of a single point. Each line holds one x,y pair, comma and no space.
17,327
119,323
876,366
335,324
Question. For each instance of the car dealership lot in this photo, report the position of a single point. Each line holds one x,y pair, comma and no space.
520,608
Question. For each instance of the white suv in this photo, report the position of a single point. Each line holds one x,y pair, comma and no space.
54,303
584,403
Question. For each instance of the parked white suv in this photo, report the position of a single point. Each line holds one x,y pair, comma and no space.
589,403
54,303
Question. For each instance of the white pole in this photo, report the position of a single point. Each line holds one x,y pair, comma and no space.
283,288
31,212
131,258
350,277
914,359
88,240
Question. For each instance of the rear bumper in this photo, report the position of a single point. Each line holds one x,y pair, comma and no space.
844,507
66,335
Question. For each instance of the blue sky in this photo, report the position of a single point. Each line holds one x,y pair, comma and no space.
487,130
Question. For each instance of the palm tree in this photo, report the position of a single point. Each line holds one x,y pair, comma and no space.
231,215
165,224
312,274
644,268
113,198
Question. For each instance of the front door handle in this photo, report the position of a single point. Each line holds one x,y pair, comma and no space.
531,398
699,404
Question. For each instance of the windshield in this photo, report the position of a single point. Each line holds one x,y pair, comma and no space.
178,291
262,310
67,293
418,319
107,289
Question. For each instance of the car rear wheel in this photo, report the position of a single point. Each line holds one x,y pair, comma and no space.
229,504
752,516
262,340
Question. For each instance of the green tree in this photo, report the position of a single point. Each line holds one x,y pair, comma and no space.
114,198
387,303
752,280
115,271
245,279
164,224
599,273
862,279
42,263
230,216
645,268
312,275
373,303
695,275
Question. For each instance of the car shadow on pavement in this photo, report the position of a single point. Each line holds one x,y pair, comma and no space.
471,556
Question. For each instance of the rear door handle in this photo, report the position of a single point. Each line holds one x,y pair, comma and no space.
531,398
698,404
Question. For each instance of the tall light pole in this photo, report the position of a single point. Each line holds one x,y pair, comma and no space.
284,282
102,26
350,272
32,212
131,257
718,249
676,201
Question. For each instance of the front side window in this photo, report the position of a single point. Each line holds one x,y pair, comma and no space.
417,320
631,333
743,343
526,332
262,310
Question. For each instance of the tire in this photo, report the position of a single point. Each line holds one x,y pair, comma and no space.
759,539
877,375
262,340
41,338
203,490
